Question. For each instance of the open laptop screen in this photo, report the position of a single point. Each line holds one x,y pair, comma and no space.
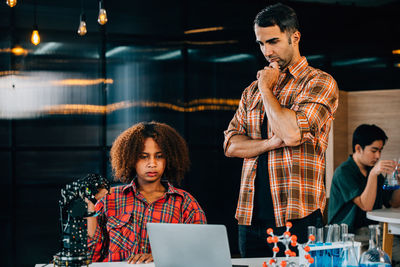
194,245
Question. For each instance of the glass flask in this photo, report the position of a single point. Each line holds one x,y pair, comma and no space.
374,256
348,255
392,180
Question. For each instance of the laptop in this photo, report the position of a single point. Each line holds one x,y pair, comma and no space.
194,245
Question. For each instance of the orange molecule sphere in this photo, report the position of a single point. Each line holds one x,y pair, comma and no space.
265,264
270,231
307,248
269,239
307,256
287,252
271,261
294,238
275,239
293,244
275,249
311,260
293,254
289,224
287,233
311,237
283,263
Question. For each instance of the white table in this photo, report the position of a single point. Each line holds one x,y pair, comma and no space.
251,262
391,225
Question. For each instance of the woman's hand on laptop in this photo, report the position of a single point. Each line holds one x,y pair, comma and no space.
140,258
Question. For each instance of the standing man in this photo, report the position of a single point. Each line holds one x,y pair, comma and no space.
281,130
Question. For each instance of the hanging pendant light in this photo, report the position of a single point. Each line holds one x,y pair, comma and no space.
35,38
82,26
102,19
82,22
11,3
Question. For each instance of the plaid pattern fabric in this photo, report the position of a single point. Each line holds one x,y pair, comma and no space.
296,174
123,215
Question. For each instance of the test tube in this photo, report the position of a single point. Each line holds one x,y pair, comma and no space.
328,233
320,235
336,259
336,233
344,231
312,231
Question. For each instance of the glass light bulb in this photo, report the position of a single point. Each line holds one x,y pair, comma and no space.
35,39
102,16
82,28
11,3
19,51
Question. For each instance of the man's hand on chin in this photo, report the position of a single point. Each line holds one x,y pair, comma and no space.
268,77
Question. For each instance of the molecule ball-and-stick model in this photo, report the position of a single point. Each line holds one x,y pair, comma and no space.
287,238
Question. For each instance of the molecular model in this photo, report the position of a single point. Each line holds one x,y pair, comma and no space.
287,239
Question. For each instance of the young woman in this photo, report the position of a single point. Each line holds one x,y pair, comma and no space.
148,158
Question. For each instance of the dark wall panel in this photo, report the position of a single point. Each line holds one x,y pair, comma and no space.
6,217
221,71
55,167
64,131
207,128
6,249
6,181
37,224
5,133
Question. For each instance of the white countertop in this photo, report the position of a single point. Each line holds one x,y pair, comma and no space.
390,215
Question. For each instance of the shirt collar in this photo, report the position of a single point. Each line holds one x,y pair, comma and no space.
297,68
352,162
170,188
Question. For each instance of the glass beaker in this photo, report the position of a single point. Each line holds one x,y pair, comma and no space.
392,180
348,255
374,256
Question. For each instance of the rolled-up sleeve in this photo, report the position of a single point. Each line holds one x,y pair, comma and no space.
315,106
237,126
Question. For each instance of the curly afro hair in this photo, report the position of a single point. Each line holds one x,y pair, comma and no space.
129,144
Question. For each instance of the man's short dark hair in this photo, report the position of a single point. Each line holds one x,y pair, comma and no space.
366,134
279,14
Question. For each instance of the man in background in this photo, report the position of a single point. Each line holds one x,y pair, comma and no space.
357,184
